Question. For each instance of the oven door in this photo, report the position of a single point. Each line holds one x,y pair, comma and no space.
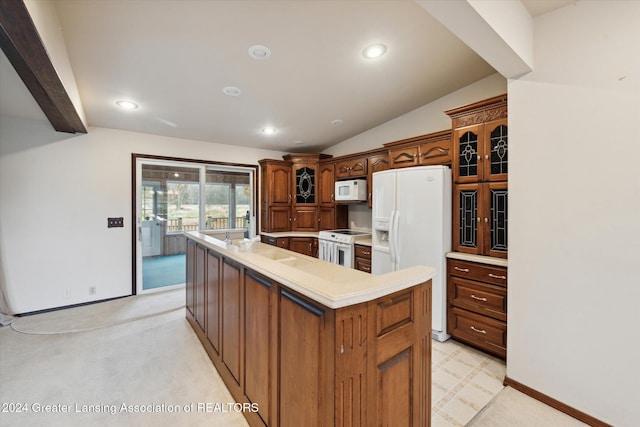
344,255
326,250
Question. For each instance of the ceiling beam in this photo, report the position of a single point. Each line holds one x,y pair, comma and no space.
23,47
501,32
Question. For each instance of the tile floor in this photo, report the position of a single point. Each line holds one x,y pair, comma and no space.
463,382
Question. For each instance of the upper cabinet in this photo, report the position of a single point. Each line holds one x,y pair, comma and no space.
351,168
423,150
276,184
305,199
480,168
376,162
480,141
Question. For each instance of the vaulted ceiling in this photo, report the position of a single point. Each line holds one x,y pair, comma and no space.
174,59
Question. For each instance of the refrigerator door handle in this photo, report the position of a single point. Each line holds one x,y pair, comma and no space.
396,244
392,241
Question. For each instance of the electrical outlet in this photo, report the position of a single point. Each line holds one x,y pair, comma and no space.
92,290
115,222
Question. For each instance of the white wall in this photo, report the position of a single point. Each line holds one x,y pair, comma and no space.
56,192
426,119
574,221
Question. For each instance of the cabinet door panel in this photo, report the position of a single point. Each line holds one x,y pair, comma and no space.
304,176
305,219
279,184
436,153
326,184
301,245
259,353
232,319
496,242
198,305
466,219
405,157
496,153
467,145
279,219
190,279
213,299
303,374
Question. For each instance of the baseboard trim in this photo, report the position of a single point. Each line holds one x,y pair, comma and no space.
550,401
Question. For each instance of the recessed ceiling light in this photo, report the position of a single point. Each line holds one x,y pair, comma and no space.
269,130
127,105
259,52
231,91
374,51
298,142
337,122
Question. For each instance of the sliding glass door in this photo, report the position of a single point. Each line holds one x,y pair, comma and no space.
173,197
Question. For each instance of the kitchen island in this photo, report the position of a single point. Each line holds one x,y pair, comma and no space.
299,341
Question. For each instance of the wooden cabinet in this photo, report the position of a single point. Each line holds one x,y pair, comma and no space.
480,171
362,258
306,337
423,150
477,305
190,273
232,319
351,168
260,341
213,300
330,215
281,242
376,162
480,218
276,182
305,197
303,363
304,245
326,184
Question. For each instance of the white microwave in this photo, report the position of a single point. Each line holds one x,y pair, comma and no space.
351,190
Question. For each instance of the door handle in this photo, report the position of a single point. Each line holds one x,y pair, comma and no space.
140,234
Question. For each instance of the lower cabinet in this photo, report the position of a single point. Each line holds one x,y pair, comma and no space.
295,362
477,305
362,258
281,242
304,245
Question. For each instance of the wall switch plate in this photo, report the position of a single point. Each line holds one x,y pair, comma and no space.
115,222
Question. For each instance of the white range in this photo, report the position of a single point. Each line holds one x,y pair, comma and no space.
336,246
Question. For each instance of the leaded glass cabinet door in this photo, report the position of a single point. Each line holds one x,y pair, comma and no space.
305,184
496,220
467,145
466,219
495,151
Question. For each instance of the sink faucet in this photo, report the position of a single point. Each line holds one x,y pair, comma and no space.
228,239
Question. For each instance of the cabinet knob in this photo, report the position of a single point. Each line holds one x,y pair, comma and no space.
486,157
478,219
486,220
478,157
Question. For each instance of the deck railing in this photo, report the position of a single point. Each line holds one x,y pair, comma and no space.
213,223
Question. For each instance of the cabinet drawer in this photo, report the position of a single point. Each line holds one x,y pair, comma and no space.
478,297
362,252
363,265
481,272
486,333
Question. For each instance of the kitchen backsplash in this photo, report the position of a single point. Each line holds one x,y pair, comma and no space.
359,217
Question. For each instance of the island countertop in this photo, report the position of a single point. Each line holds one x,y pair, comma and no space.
329,284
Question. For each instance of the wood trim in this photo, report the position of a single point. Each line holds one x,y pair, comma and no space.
556,404
430,137
480,105
23,46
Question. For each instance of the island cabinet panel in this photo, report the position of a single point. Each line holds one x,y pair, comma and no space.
401,362
190,273
199,303
351,367
213,291
232,319
306,343
260,363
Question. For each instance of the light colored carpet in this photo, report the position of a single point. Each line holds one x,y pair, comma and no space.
156,360
513,408
96,316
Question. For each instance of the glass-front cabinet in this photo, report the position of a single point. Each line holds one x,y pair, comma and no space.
481,152
480,212
480,171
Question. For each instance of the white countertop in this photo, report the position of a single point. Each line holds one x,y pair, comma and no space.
500,262
329,284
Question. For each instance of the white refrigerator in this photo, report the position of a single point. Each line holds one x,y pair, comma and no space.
411,225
